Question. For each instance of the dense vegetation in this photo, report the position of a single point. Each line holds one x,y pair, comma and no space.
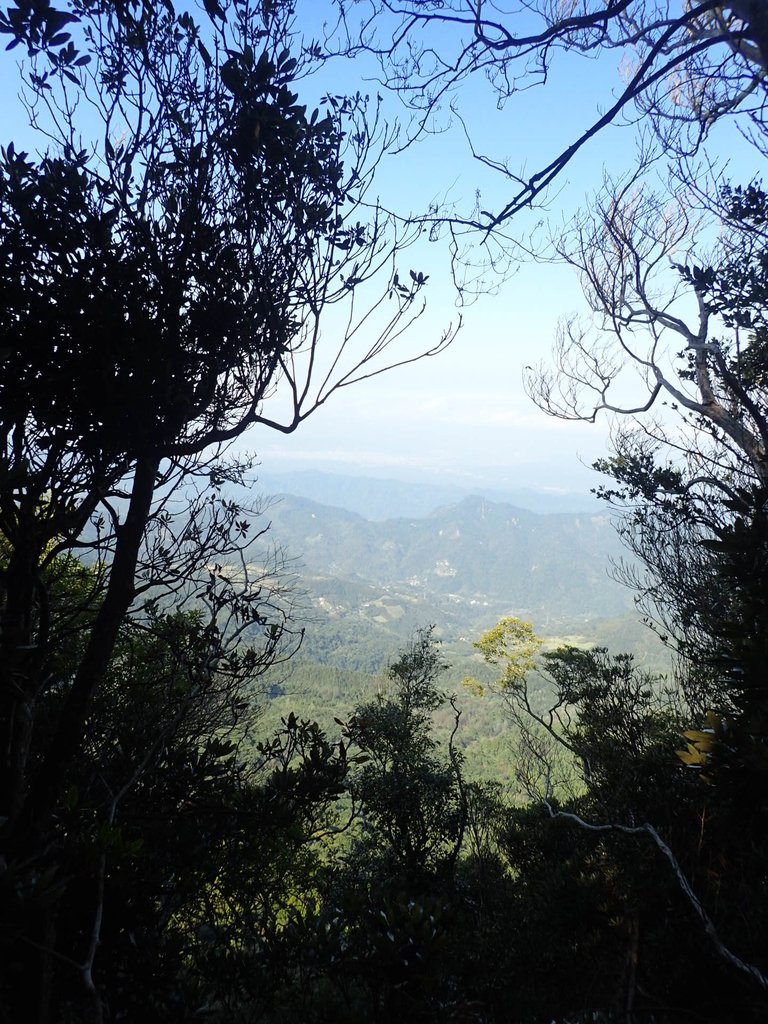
164,856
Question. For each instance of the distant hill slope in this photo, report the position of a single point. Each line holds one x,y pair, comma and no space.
473,557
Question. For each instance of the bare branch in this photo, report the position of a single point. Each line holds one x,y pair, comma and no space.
750,970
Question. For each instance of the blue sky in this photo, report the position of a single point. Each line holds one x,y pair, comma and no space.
463,416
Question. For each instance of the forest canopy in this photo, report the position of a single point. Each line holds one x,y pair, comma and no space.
169,255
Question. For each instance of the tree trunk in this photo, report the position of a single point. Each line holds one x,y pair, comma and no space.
20,664
98,652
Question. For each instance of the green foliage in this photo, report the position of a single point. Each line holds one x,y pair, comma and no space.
386,936
411,798
158,864
586,876
513,644
185,850
163,262
697,525
619,725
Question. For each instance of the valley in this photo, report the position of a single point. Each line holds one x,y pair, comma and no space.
365,586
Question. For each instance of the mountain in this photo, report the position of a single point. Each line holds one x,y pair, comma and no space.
376,498
369,585
469,561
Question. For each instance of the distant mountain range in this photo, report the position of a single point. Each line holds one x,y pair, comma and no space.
464,563
368,585
375,498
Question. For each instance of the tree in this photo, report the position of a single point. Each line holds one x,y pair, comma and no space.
622,856
413,799
622,250
690,450
696,472
166,265
691,484
164,283
386,935
165,790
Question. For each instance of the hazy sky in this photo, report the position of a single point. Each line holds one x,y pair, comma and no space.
463,416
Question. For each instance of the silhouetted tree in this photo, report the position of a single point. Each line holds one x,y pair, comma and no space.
166,262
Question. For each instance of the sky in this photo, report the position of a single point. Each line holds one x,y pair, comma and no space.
463,416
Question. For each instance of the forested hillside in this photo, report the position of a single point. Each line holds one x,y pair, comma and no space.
474,553
367,587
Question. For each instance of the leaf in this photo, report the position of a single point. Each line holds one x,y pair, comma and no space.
203,51
691,757
214,10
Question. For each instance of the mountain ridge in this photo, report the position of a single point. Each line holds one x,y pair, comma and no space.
382,497
472,550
